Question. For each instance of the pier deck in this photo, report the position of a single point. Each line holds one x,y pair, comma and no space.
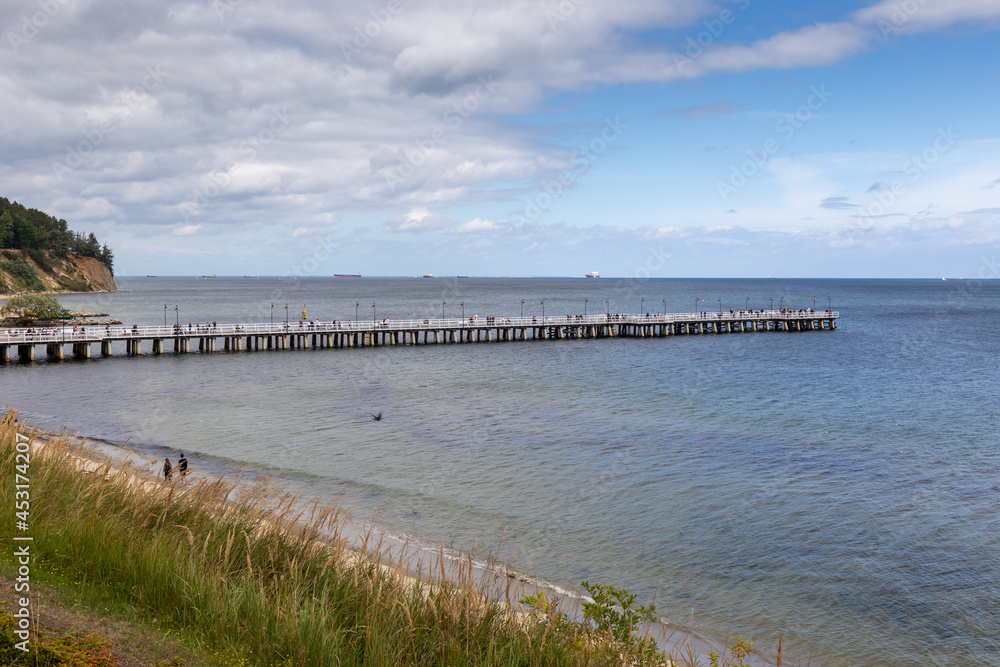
337,335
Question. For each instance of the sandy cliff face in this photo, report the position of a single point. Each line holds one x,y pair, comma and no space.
96,273
61,274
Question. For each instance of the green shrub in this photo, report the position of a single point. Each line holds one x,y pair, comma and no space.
40,259
611,611
43,306
20,269
737,655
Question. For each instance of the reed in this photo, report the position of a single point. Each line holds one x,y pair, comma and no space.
240,568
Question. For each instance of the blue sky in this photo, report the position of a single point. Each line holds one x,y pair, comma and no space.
729,138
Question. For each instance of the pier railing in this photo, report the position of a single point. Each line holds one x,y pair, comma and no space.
68,334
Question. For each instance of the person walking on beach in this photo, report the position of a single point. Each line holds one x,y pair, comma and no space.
166,469
182,467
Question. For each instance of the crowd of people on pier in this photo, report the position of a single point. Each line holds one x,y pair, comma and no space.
213,327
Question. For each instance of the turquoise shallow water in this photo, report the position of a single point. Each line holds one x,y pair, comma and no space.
837,488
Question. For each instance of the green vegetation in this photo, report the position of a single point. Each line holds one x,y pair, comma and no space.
612,611
27,308
736,655
33,231
242,570
611,622
21,270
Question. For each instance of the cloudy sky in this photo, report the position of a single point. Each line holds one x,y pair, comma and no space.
546,138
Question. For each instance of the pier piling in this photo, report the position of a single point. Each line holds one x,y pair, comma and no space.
335,335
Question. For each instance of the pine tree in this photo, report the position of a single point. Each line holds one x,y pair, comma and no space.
6,230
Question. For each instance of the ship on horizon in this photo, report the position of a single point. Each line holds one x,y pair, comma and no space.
347,275
593,274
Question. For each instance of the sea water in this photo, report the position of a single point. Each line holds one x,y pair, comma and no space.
837,488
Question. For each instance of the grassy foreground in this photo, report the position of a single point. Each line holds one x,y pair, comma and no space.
240,570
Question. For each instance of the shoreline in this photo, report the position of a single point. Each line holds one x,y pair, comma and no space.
411,559
6,295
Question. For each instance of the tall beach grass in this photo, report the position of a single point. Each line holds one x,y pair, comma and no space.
246,569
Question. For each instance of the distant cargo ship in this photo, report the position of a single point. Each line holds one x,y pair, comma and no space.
211,276
593,274
347,275
428,275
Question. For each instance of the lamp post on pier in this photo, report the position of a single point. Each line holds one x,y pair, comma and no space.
543,311
373,315
442,309
664,306
748,304
770,304
463,312
177,316
829,304
522,308
356,304
720,307
781,306
607,308
585,302
164,316
272,313
642,303
286,315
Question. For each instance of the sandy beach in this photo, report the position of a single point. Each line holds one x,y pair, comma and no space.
403,557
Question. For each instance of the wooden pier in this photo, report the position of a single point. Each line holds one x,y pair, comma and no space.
20,344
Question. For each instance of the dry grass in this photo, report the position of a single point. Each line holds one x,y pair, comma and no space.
243,569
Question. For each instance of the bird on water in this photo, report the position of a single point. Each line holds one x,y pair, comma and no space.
376,418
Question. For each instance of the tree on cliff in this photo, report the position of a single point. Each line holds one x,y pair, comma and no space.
6,230
32,230
107,257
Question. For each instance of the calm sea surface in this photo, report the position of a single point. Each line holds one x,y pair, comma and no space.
839,488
